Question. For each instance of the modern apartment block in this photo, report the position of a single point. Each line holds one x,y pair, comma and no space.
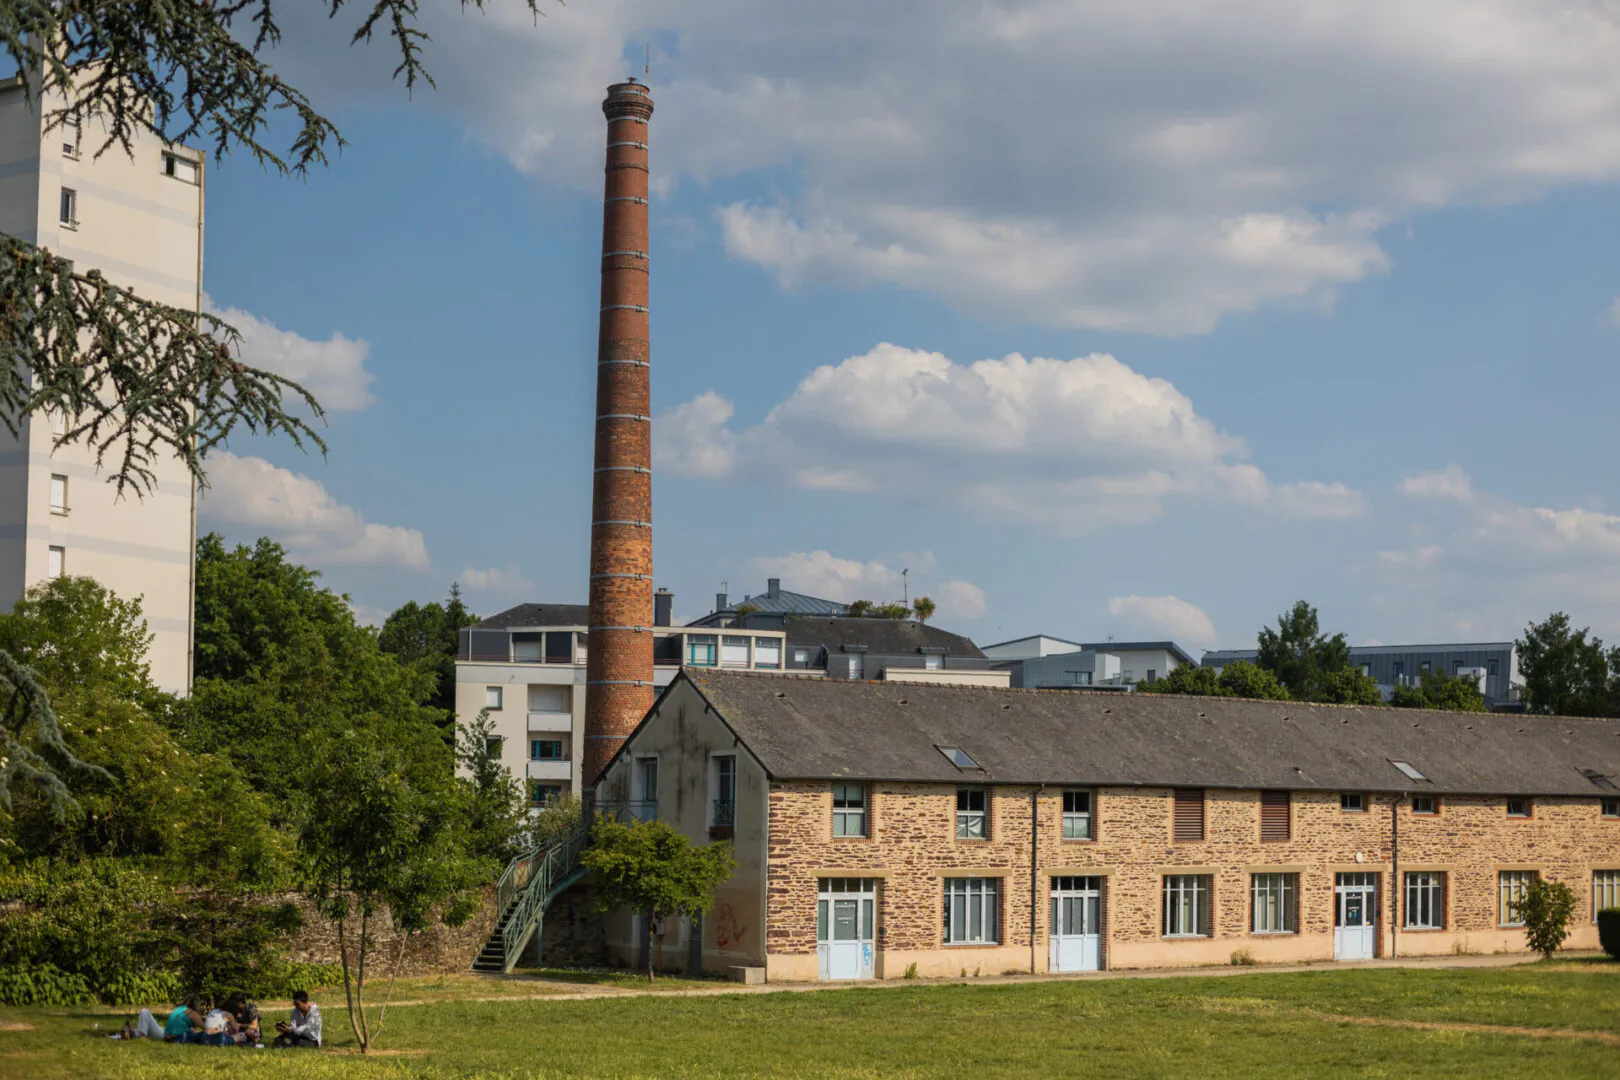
527,666
1045,662
882,829
1494,664
139,220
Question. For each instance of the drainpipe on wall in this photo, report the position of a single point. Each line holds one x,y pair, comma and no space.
1395,887
1034,862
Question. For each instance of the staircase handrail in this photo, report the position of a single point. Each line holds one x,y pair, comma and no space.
548,867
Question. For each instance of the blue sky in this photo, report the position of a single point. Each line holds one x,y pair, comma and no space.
1138,319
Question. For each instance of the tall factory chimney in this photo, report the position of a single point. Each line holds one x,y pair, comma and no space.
619,665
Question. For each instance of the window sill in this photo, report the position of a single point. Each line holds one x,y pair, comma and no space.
837,838
971,945
1186,937
1423,929
1079,840
972,839
1273,933
55,512
70,226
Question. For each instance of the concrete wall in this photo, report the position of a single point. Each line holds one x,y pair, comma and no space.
143,230
684,736
912,847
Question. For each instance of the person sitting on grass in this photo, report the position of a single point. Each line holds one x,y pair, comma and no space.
246,1014
303,1026
183,1022
219,1029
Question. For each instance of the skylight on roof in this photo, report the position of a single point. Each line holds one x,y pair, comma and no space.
1411,773
958,757
1599,779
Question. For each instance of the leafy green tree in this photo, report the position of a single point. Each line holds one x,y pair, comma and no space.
497,821
647,866
1237,679
1347,686
1547,909
1299,654
75,634
1565,671
426,636
924,608
1437,690
381,840
867,609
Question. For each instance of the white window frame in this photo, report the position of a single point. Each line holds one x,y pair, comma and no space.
58,422
717,787
1609,808
730,646
1077,823
68,210
1510,889
70,149
55,561
768,654
1187,899
1434,805
965,899
972,824
1605,891
59,494
1274,903
493,697
639,781
857,665
849,813
1353,802
801,656
933,661
1529,807
1424,903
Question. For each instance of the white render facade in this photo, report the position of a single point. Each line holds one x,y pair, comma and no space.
139,220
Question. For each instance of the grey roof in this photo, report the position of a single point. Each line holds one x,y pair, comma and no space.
1219,656
885,637
525,615
1033,637
790,603
803,728
1139,646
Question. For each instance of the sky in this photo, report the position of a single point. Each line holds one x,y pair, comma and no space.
1136,319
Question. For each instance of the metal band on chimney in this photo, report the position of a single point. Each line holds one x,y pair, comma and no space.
624,468
638,629
637,577
627,198
635,363
624,521
637,145
624,416
624,307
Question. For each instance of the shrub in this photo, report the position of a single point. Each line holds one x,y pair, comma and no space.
911,968
1242,958
1608,921
43,984
1547,909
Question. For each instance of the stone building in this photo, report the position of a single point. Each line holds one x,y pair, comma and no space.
883,825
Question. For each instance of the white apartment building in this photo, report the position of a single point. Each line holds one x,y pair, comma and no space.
139,220
526,665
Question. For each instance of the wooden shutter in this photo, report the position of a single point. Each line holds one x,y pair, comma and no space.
1189,814
1274,824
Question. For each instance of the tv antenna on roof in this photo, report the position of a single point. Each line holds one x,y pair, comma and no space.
646,67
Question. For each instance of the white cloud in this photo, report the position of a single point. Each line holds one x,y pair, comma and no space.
1070,443
1612,315
299,512
495,580
1151,165
369,616
1450,484
960,600
1420,558
334,370
1166,616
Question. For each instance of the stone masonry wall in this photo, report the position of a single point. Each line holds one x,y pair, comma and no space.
438,950
911,846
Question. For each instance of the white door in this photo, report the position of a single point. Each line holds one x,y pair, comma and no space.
1076,925
1355,917
845,913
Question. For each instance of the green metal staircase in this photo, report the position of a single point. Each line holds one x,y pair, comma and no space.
524,892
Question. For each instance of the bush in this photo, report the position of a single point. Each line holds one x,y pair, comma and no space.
1547,909
1608,921
43,984
1242,958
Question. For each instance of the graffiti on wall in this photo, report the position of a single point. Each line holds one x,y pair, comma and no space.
727,930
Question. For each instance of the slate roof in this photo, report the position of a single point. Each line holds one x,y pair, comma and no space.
802,728
882,637
525,615
790,603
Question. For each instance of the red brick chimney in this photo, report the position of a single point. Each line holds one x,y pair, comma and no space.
619,667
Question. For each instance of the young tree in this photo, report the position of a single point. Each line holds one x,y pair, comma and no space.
426,636
1299,654
1347,686
380,839
497,814
1237,679
1547,908
1243,679
1565,672
1437,690
648,867
867,609
923,607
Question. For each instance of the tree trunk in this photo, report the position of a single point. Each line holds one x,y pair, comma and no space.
360,984
348,993
399,957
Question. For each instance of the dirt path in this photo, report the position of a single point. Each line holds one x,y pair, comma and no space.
1607,1038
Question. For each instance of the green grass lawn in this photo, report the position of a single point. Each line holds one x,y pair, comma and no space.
1308,1024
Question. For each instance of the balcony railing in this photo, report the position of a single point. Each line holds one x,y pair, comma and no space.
725,814
629,811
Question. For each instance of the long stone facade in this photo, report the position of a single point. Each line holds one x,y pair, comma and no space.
912,848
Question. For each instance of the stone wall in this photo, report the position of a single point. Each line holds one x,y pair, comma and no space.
911,847
437,950
572,932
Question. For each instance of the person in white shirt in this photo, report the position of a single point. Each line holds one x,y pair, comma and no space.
303,1025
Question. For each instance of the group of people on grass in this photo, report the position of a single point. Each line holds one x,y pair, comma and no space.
237,1024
